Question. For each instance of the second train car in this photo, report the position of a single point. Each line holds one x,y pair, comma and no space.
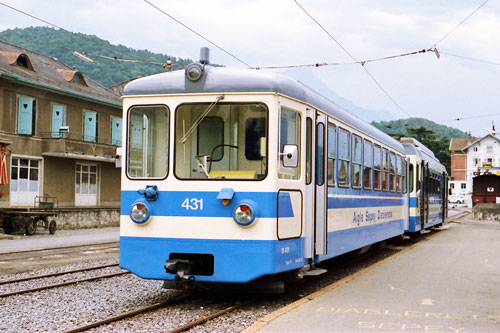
235,175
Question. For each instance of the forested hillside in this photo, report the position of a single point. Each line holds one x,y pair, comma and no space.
61,44
400,126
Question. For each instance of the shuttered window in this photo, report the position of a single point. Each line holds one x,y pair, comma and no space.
26,115
90,126
116,131
58,119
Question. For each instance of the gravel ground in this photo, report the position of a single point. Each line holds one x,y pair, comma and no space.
64,308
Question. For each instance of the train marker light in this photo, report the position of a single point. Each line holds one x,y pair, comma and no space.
140,212
226,195
246,212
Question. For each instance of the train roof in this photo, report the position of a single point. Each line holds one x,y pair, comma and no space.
224,79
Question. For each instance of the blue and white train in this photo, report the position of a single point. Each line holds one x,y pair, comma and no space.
237,175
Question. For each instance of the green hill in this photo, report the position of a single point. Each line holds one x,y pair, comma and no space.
400,127
61,44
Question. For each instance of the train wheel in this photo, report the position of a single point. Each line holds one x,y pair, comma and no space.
30,226
52,227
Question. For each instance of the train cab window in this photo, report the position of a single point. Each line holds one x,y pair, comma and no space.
367,165
357,159
343,158
377,167
332,136
392,171
148,136
399,174
385,170
221,141
289,135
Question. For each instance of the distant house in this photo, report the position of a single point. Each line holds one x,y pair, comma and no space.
61,130
471,157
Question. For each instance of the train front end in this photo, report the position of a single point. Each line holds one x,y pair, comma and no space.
198,202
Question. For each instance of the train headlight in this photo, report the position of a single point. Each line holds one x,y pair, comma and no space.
140,212
246,212
194,71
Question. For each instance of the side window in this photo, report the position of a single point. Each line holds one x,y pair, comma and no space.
399,174
411,178
405,174
289,135
90,126
357,159
392,171
385,170
308,151
58,120
26,115
332,147
377,167
320,155
367,165
417,178
148,136
344,158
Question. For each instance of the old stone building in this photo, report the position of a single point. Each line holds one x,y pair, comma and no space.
60,130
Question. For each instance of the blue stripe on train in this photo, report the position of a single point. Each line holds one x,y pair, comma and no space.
170,203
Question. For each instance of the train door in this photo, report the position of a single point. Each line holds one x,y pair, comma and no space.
424,207
321,192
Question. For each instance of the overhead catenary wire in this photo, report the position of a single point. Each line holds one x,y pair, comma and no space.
459,24
198,34
353,58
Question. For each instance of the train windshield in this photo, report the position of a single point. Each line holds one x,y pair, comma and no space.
221,141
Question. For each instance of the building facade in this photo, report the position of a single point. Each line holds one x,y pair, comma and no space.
471,157
60,130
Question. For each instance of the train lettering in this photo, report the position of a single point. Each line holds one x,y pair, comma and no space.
193,204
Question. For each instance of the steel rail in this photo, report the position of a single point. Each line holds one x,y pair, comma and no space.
56,274
209,317
57,248
128,314
20,292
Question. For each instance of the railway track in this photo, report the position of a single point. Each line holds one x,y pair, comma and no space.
45,252
60,284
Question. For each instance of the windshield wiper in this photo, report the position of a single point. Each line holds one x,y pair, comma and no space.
200,119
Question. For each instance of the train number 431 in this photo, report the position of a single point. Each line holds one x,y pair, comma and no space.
193,204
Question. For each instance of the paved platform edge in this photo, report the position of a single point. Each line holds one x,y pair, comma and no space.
270,317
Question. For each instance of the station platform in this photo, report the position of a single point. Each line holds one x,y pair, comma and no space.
62,238
449,282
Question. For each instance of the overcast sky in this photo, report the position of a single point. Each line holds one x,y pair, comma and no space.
278,32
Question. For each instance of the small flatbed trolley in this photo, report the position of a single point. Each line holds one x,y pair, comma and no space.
30,218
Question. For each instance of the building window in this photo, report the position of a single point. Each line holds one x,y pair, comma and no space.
475,149
86,185
489,149
116,131
26,115
90,126
58,120
476,162
452,185
463,186
24,185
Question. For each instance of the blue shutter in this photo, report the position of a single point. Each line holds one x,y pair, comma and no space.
25,116
90,126
58,119
116,131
